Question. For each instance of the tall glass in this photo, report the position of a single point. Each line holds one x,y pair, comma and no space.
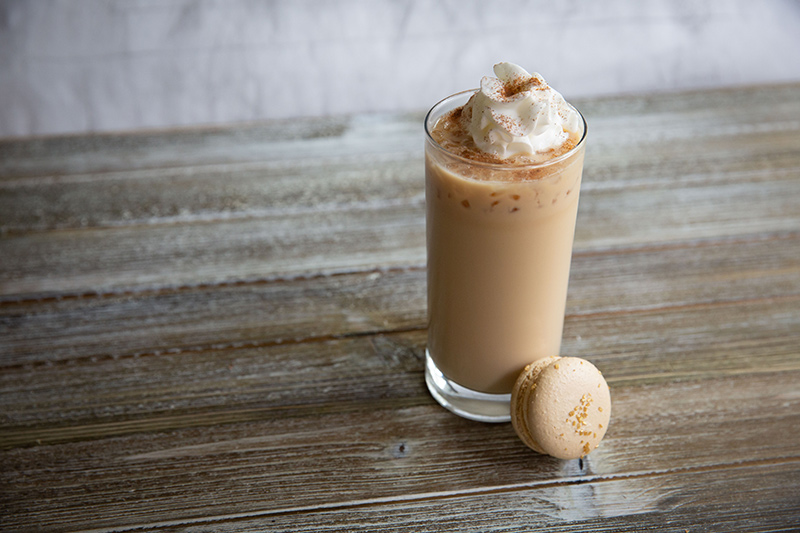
499,241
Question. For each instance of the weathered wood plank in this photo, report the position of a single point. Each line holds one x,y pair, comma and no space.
253,190
287,245
323,181
743,497
103,396
675,275
276,465
287,140
623,120
118,325
608,219
208,193
346,240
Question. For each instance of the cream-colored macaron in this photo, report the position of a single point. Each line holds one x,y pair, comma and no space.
561,406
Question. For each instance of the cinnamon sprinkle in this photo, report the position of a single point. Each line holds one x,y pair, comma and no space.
451,133
522,84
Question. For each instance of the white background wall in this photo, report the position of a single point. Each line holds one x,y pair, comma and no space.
99,65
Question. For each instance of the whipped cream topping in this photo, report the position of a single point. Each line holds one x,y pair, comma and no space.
517,113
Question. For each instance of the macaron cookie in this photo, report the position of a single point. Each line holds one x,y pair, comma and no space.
561,406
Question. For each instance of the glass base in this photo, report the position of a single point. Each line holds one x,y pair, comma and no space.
465,402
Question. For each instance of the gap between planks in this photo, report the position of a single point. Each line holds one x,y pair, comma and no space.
454,495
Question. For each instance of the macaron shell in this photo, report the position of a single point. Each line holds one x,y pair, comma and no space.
569,408
520,399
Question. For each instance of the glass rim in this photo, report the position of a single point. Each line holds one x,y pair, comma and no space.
498,166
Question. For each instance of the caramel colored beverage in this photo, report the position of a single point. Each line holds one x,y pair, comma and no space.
499,242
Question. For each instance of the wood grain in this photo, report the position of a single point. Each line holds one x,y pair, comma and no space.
282,215
727,499
183,386
262,313
134,257
288,465
223,330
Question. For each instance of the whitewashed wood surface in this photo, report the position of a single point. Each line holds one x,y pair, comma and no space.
223,330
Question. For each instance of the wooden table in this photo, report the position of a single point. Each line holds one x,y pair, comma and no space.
223,329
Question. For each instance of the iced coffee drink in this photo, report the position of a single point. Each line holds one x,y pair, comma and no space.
503,172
